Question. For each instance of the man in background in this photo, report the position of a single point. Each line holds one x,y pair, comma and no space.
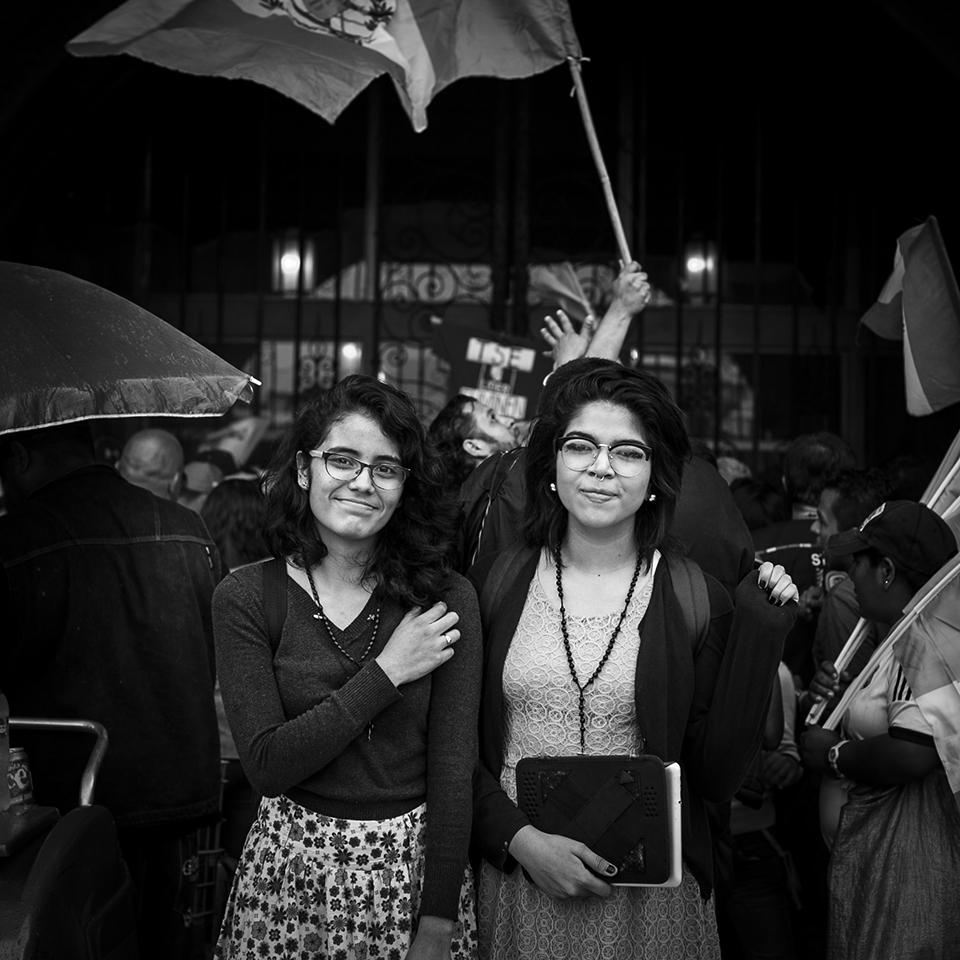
807,464
845,502
153,459
105,593
465,432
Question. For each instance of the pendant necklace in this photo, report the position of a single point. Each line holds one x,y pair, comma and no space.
582,687
322,617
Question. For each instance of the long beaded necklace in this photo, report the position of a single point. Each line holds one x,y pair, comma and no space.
322,617
582,687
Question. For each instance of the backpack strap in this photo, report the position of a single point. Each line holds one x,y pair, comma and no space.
503,571
690,588
275,599
506,462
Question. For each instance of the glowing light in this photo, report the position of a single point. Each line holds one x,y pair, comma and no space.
290,264
350,351
696,264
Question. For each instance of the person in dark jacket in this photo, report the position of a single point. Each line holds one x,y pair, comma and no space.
105,599
573,668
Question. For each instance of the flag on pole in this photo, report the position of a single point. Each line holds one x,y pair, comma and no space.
322,53
920,305
929,652
944,487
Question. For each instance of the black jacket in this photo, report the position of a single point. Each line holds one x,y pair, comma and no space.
703,707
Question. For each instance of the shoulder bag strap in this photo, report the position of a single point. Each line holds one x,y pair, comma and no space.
503,571
690,588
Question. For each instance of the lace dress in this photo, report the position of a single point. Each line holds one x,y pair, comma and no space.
517,920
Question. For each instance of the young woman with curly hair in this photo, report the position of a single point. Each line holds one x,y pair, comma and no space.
358,725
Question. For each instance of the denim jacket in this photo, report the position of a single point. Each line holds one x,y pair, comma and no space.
105,611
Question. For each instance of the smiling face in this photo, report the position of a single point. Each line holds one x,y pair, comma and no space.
352,511
597,498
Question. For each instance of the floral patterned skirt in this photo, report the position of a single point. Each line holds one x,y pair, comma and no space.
310,886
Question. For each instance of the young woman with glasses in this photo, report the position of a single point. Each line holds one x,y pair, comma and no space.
357,723
589,653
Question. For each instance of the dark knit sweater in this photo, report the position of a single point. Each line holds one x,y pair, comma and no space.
301,720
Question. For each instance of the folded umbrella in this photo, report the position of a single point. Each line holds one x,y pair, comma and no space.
75,351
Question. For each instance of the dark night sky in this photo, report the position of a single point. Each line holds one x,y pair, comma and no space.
855,103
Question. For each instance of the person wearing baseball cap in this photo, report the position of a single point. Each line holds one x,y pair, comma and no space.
883,768
895,551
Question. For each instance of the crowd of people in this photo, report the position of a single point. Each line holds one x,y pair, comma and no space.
349,659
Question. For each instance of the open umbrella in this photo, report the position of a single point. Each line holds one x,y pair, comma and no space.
74,351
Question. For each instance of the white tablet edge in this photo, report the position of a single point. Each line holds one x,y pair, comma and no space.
672,771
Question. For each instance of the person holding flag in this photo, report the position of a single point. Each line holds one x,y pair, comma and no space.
899,740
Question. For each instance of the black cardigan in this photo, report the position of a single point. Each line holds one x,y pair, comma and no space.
703,708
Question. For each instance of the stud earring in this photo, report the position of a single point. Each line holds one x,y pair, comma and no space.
303,484
553,488
652,497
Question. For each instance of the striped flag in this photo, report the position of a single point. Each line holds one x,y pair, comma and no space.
322,53
929,652
920,305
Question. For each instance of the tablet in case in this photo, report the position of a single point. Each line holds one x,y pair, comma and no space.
627,809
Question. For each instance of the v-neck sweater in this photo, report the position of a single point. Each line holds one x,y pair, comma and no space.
345,742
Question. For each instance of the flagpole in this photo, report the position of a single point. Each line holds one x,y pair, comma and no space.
942,487
594,143
844,657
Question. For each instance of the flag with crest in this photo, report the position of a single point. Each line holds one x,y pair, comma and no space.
322,53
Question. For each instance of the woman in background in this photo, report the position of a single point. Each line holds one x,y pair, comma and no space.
886,804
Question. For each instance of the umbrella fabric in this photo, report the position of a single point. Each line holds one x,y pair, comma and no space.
322,53
74,351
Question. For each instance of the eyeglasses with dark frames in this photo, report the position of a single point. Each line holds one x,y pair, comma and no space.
341,466
626,459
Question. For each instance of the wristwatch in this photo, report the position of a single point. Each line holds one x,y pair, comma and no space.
833,756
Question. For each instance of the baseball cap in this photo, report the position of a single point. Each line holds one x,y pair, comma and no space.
909,533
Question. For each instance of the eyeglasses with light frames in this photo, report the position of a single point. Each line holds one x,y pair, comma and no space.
626,459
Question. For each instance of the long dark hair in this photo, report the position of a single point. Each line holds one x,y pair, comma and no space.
409,561
584,381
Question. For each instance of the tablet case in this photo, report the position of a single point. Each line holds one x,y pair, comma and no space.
627,809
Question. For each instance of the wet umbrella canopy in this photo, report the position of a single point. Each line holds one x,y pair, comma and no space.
70,350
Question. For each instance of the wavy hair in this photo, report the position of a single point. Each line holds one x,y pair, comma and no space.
568,390
410,561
